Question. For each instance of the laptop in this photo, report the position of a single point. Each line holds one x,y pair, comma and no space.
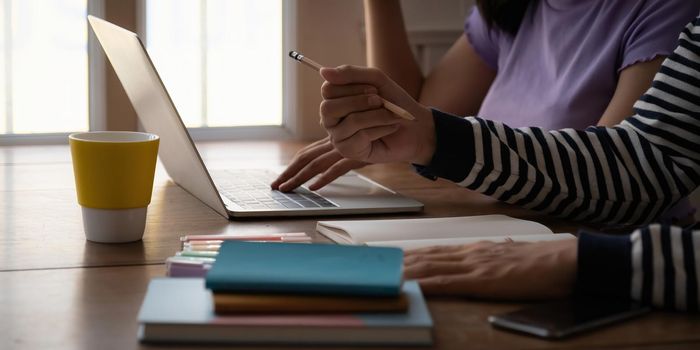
230,192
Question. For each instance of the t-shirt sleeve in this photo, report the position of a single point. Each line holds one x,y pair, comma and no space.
483,39
654,30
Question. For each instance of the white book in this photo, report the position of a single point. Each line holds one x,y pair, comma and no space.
418,233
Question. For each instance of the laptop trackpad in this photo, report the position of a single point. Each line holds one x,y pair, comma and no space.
351,185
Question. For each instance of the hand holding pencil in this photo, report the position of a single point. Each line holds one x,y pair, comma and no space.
388,105
362,124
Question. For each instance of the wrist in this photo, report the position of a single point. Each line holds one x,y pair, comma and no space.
426,146
569,253
603,264
565,258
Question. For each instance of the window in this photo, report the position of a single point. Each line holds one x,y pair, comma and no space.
221,60
43,66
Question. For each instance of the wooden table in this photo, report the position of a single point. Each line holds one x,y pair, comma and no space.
58,291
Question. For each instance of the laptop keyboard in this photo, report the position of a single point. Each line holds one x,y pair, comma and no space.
250,189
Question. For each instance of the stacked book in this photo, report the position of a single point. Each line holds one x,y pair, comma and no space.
287,293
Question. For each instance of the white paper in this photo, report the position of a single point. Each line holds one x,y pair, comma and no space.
367,231
422,243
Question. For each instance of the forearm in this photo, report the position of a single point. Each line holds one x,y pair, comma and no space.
609,175
387,45
627,174
656,265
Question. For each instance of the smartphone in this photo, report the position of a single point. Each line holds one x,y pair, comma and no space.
560,319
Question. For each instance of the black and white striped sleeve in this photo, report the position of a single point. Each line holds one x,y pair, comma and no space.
657,265
627,174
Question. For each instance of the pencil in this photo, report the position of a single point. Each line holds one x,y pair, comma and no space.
386,104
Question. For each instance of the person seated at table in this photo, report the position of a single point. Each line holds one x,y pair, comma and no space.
514,65
626,174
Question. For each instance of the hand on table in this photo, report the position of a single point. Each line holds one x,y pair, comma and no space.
359,128
317,158
507,271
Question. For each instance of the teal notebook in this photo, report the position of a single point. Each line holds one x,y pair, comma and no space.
295,268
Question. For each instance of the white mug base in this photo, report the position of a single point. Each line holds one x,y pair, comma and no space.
114,225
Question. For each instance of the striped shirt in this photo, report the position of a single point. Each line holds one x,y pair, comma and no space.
628,174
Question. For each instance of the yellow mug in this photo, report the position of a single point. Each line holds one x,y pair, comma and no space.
114,180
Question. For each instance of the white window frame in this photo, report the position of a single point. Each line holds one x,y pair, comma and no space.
96,72
97,91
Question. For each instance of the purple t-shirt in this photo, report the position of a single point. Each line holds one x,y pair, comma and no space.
562,67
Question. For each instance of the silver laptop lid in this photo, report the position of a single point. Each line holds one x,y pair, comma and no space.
156,111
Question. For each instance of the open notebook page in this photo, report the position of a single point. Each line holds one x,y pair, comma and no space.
367,231
422,243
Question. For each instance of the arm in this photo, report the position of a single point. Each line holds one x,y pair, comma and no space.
633,82
656,265
628,174
458,96
388,49
387,45
648,38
